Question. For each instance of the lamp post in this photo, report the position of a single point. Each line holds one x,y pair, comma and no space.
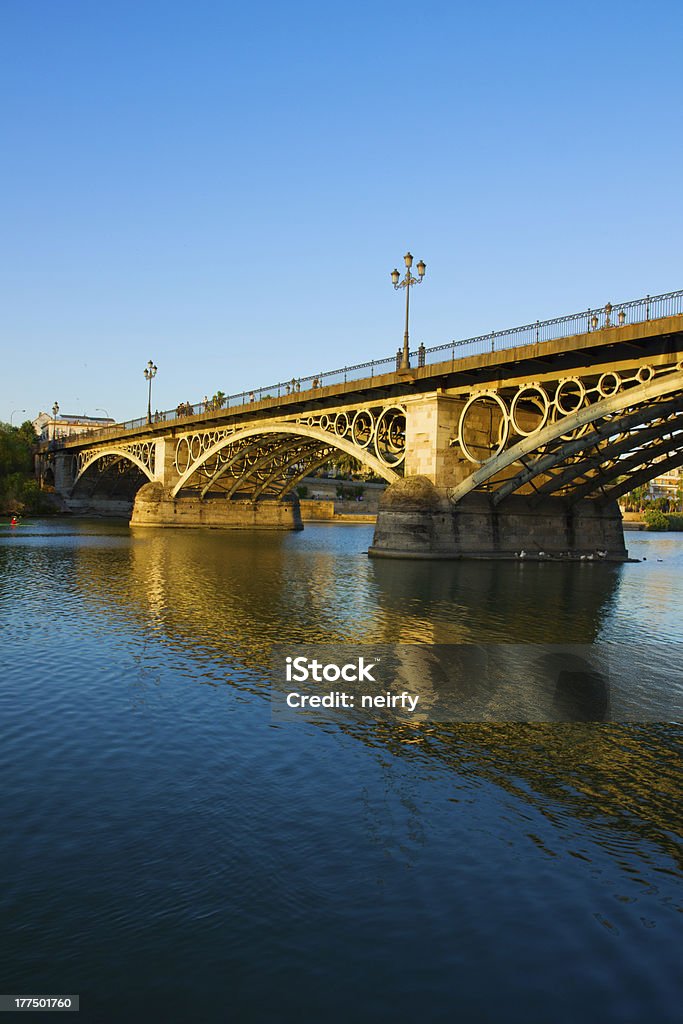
150,374
99,409
55,410
12,414
407,283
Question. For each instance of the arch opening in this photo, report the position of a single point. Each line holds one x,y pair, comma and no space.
268,461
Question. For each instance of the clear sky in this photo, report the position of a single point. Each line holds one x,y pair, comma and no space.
225,187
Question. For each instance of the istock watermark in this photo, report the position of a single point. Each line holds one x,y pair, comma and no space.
316,682
478,682
303,669
309,680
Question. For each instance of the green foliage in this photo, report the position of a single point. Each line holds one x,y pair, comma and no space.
19,491
15,449
675,521
636,499
655,519
302,490
343,464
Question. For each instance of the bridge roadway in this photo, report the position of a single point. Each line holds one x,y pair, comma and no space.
518,451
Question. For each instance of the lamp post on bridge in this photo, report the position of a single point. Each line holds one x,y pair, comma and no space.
150,374
407,283
55,410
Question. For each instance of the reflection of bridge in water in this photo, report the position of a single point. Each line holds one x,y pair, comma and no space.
511,443
228,597
215,605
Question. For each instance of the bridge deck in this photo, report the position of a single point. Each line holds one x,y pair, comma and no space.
653,338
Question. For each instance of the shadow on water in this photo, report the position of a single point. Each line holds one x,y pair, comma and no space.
500,601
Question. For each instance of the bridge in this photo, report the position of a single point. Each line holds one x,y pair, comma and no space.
511,444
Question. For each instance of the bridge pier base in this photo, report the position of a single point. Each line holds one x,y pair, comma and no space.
417,520
154,506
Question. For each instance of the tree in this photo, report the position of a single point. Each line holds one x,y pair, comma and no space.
636,498
15,448
679,496
19,490
655,519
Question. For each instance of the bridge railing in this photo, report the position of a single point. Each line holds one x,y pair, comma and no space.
651,307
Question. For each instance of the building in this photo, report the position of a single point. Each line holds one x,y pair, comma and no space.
668,485
48,427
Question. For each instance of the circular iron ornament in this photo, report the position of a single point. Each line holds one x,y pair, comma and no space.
324,422
341,424
183,457
568,390
195,447
609,384
645,374
390,436
394,435
503,430
211,465
362,428
530,393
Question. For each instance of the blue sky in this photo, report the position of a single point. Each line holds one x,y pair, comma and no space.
225,188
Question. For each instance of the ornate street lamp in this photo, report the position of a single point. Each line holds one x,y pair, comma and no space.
55,410
407,282
150,374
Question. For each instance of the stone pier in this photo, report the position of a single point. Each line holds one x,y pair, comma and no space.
416,519
155,506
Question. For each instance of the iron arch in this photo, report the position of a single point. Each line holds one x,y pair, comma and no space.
608,418
325,438
113,452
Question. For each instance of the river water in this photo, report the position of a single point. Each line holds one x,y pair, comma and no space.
172,852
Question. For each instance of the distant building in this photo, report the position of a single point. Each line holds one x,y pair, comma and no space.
668,485
48,427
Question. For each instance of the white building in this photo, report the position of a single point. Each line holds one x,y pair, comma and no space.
668,485
49,427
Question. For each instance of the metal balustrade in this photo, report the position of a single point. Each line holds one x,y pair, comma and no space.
651,307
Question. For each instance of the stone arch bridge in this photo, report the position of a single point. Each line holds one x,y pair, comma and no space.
503,446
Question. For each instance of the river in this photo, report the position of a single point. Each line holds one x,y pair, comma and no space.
171,851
